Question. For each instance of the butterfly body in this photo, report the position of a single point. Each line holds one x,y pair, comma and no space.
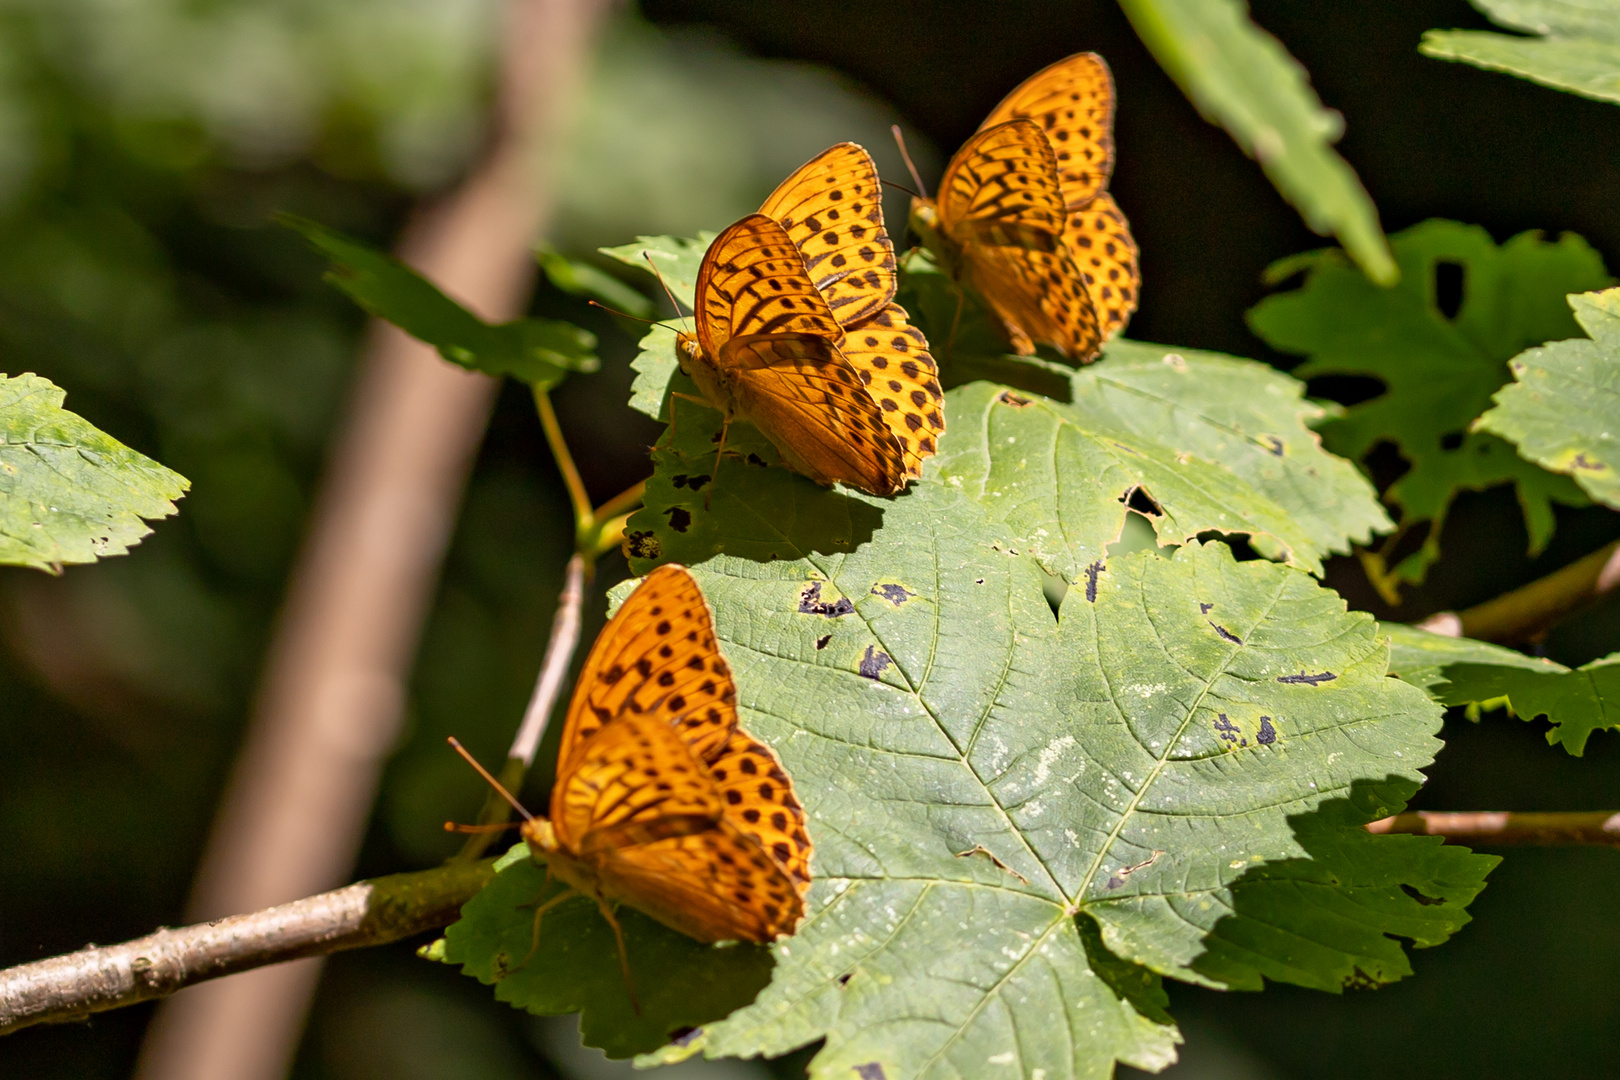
1023,218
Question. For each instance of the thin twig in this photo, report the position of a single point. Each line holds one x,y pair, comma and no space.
375,912
1494,828
565,462
1528,612
554,668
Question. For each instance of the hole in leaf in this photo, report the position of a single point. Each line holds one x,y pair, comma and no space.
1448,287
1385,464
1345,389
1238,542
1140,501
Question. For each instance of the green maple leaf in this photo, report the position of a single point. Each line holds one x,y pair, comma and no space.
1561,408
1461,671
1024,820
1573,46
68,492
1438,372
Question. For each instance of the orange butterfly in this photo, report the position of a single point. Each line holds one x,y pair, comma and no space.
832,210
1023,215
767,350
662,802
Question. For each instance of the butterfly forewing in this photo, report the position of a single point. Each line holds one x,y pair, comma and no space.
1002,188
657,657
753,281
1099,241
832,210
892,359
1073,102
770,335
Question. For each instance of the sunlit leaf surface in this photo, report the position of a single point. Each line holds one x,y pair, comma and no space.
68,492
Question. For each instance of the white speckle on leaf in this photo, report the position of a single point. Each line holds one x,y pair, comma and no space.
1004,1058
1049,754
1236,864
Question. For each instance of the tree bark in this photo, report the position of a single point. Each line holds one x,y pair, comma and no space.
92,980
1496,828
333,687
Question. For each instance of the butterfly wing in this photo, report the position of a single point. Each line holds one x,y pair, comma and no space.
759,799
832,210
770,333
752,281
1002,188
650,820
892,358
807,399
1099,241
1001,206
656,657
1073,102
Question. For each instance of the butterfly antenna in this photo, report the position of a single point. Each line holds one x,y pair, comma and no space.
494,783
673,302
451,826
916,177
898,187
623,315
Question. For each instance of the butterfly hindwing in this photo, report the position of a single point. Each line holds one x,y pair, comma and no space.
657,830
832,210
634,778
892,358
1100,243
1073,103
806,398
656,657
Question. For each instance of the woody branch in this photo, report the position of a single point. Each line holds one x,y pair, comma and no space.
95,979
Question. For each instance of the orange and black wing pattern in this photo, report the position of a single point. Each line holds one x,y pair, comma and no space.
832,210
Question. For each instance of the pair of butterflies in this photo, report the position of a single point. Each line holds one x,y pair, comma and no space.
662,801
797,331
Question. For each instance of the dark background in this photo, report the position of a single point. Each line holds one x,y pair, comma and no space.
139,271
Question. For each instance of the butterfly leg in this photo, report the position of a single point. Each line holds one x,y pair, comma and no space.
624,955
725,428
540,911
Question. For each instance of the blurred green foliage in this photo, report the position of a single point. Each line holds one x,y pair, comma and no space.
144,146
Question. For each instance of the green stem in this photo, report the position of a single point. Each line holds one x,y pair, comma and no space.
1528,612
583,518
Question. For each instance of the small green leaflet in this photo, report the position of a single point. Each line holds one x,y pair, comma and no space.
1563,409
575,965
1459,671
678,260
536,351
68,492
1439,372
577,278
1242,78
676,257
1578,47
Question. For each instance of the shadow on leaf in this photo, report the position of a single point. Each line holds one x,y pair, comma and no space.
1331,921
575,968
